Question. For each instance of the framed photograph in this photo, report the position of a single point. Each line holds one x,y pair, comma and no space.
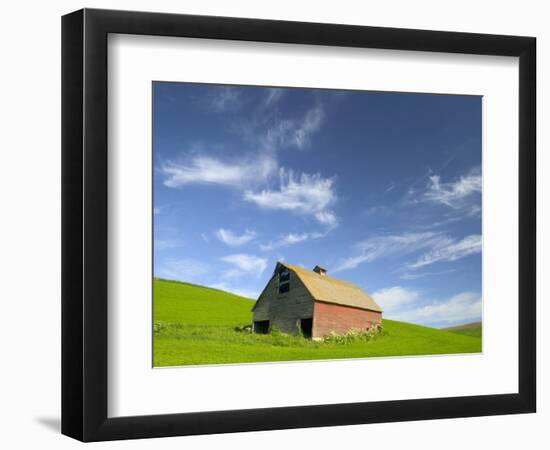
272,224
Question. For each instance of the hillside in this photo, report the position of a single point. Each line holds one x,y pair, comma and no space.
468,329
196,325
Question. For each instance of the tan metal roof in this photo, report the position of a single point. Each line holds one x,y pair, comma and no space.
332,290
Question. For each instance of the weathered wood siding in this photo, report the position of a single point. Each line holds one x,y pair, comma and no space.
284,310
341,319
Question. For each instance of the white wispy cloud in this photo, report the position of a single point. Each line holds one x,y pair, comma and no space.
244,264
395,298
232,239
185,269
203,169
311,124
408,305
388,245
417,275
289,133
462,195
299,193
209,170
327,218
224,99
304,194
308,194
289,239
378,211
454,192
436,247
461,308
449,250
274,137
286,240
237,290
163,244
273,96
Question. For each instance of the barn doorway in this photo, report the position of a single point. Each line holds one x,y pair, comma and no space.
261,326
306,326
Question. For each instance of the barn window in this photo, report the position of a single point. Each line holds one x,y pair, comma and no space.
284,275
284,281
284,287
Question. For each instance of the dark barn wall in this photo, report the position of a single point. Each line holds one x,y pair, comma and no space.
284,310
340,319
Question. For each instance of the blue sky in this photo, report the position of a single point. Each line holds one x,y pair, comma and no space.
382,189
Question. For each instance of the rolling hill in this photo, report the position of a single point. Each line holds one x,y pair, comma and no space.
468,329
195,325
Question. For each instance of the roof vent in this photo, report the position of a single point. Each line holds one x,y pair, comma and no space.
320,270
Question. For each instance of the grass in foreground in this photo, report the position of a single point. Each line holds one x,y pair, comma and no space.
195,325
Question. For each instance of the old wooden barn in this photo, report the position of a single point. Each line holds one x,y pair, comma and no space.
296,299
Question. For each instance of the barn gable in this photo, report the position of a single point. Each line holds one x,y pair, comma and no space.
285,301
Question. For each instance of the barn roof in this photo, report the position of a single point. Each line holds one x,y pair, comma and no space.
332,290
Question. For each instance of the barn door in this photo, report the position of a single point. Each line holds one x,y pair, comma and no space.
261,326
306,326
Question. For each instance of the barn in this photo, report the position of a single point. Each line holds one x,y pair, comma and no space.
314,303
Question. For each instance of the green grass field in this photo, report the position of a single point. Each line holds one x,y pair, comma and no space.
469,329
195,325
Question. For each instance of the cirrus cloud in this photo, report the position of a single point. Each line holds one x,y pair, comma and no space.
286,240
449,250
394,298
232,239
304,194
244,264
225,98
461,308
408,305
311,124
388,245
462,195
210,170
183,269
435,247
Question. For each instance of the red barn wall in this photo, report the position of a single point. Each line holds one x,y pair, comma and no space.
340,319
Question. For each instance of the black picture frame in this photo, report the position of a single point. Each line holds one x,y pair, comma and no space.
84,224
